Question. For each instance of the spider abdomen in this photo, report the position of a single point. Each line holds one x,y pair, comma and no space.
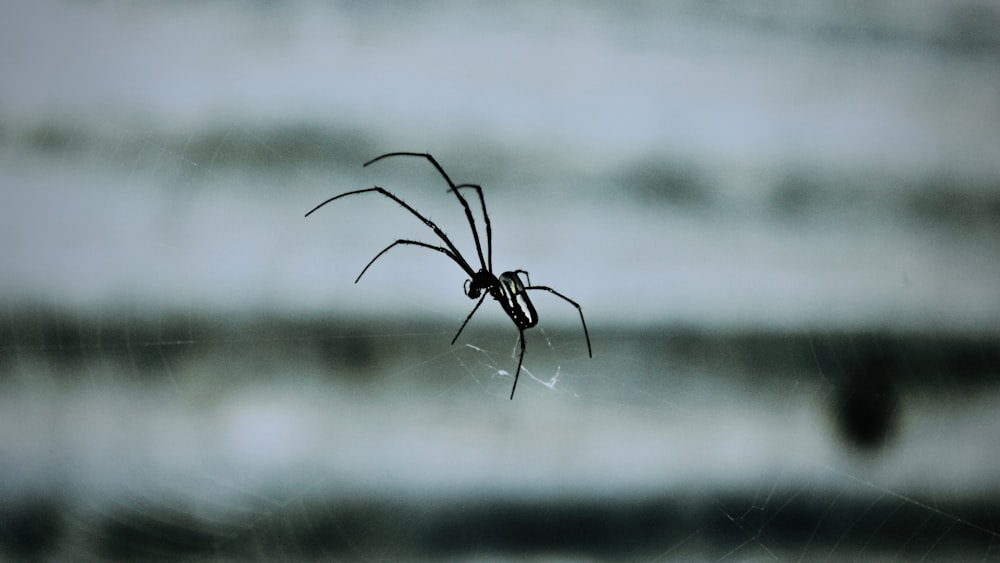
514,300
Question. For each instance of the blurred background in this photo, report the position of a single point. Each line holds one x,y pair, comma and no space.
782,221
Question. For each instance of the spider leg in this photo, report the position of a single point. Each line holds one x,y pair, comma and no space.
571,302
440,249
486,219
454,254
461,199
520,359
466,321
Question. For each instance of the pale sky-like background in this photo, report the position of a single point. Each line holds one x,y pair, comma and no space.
766,210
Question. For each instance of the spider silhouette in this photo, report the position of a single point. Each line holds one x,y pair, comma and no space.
507,288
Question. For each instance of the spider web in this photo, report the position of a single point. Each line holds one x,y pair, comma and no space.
187,369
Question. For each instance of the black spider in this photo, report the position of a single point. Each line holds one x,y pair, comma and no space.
507,288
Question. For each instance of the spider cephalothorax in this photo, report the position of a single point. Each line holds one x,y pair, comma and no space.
507,289
481,281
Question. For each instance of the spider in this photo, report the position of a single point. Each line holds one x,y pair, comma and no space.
507,288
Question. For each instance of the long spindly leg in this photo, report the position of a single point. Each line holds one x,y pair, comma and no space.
461,199
454,254
486,219
520,359
466,321
571,302
440,249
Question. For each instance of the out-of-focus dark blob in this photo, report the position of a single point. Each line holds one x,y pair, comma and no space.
29,529
867,403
